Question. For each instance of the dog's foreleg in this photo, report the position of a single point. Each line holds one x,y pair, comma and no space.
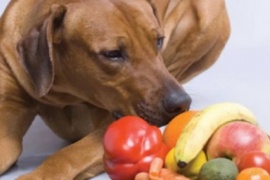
78,161
14,122
16,115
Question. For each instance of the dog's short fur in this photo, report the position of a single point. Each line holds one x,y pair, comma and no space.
81,64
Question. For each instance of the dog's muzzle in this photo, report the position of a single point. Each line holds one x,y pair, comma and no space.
171,105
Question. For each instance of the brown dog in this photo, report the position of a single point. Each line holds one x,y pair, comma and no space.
81,64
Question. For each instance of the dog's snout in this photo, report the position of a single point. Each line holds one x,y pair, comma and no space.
176,102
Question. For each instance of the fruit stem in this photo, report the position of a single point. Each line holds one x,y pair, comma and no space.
181,164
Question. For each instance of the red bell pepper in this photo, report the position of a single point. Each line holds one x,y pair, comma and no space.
130,144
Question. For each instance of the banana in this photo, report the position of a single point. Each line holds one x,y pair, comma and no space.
201,127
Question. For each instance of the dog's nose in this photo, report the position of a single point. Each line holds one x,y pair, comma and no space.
176,102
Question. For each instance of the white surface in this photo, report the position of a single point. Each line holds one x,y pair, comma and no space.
241,75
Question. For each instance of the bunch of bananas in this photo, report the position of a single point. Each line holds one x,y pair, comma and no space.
198,131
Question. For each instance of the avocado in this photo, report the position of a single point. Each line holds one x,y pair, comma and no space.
218,169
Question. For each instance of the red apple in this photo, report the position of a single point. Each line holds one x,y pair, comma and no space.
235,139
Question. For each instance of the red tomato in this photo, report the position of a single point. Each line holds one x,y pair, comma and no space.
255,159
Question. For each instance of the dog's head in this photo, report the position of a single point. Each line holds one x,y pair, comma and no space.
107,55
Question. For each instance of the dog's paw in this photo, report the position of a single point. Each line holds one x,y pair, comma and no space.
29,177
42,176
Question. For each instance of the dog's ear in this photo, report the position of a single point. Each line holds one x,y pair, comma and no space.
36,49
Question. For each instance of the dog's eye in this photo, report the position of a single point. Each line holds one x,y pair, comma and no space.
160,42
113,55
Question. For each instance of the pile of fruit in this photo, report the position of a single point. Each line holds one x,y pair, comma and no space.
220,142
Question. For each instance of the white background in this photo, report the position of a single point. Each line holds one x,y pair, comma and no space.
241,75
